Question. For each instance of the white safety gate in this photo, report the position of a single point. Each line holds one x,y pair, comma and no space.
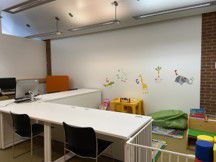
138,149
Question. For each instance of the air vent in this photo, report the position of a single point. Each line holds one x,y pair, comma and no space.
26,5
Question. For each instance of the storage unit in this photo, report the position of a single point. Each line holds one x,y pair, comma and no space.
199,126
135,106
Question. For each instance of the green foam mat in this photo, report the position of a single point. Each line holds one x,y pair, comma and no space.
195,133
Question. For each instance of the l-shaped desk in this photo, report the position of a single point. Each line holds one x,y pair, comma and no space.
57,108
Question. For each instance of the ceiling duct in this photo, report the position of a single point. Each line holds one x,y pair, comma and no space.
26,5
202,5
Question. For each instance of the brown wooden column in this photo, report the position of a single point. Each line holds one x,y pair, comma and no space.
48,57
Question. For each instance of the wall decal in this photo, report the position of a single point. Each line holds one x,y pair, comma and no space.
181,79
137,81
108,83
144,85
158,78
121,75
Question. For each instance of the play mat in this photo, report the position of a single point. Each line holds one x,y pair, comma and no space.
174,133
159,145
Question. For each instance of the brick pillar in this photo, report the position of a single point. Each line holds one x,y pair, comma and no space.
208,70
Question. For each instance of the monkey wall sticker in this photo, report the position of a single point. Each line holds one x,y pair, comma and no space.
121,75
108,83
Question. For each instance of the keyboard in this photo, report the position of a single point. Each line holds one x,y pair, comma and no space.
5,93
20,100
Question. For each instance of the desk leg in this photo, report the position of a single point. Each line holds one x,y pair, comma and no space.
2,131
134,109
47,143
127,153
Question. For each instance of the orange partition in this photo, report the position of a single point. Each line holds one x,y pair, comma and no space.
57,84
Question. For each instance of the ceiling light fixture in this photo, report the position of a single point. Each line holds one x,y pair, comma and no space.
26,5
57,26
106,23
42,35
173,10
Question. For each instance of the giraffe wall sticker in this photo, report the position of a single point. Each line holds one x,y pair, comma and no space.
139,80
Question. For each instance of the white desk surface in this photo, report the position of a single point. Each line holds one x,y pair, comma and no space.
120,125
55,96
59,95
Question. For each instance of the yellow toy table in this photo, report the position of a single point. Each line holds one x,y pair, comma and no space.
135,105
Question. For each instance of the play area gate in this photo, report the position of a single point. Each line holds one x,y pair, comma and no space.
138,149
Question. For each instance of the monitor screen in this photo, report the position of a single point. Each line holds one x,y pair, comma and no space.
24,86
7,83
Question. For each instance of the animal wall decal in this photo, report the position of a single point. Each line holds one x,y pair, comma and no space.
137,81
144,85
108,83
181,79
121,75
158,70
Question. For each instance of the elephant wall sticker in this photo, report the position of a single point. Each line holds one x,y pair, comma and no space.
181,79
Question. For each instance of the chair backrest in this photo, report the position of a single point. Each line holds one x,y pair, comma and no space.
81,141
21,124
57,84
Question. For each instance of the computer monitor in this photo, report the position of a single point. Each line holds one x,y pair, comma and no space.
24,86
8,84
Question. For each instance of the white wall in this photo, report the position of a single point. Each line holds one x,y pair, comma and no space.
175,44
22,58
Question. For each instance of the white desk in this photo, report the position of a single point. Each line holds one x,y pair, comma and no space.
82,97
118,125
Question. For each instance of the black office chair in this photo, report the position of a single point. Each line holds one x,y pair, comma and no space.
83,142
22,126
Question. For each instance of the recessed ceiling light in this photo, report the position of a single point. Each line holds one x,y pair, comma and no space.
26,5
173,10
